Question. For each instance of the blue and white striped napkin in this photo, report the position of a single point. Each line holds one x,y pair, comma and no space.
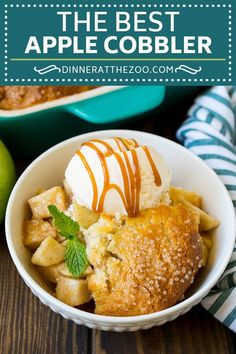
210,133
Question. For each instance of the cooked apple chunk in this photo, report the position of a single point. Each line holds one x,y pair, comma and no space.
50,273
207,243
193,202
206,221
49,252
84,216
73,292
39,203
177,194
35,231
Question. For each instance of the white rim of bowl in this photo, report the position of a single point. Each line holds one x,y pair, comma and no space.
91,317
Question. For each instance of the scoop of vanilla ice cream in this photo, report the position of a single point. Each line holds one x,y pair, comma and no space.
79,180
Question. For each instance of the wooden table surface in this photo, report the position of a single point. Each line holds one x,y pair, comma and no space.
29,327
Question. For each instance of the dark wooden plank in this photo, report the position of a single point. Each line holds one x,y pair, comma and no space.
196,332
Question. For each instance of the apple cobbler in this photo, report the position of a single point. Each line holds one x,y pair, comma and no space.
139,258
18,97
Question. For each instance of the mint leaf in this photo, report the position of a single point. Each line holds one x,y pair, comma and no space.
63,223
76,258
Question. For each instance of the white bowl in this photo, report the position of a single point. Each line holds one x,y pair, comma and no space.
188,171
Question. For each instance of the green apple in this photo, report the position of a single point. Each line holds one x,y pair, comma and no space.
7,178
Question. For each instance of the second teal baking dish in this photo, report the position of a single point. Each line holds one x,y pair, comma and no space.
32,130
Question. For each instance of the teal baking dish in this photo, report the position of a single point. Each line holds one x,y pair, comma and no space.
32,130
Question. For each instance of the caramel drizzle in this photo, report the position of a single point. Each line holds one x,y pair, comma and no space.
153,166
118,141
93,180
131,178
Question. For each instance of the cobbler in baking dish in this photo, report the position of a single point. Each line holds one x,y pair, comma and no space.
19,97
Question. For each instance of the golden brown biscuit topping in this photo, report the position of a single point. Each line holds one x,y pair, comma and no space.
145,264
